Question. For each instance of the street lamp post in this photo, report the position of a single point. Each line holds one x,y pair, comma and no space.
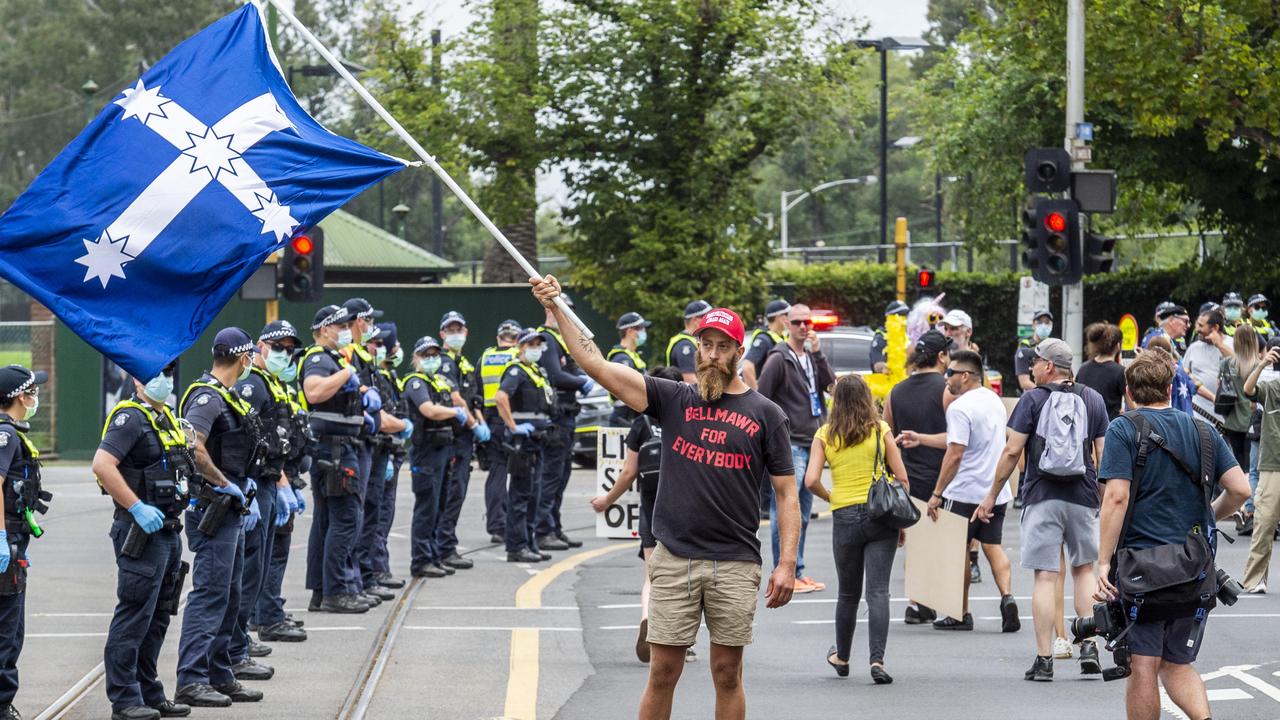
883,46
785,205
89,89
401,211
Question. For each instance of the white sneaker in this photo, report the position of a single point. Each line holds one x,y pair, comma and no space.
1259,589
1061,649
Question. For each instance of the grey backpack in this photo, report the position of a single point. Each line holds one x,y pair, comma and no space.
1061,432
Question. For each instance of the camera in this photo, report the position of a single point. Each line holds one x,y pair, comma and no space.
1229,589
1108,622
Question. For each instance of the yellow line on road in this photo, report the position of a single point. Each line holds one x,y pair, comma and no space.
522,677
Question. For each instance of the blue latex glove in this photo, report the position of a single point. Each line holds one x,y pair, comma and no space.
483,433
391,471
231,489
352,383
588,387
285,504
407,432
460,414
372,400
4,551
523,429
251,520
149,518
369,423
302,500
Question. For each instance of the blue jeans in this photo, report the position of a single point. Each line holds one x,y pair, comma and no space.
1253,475
799,458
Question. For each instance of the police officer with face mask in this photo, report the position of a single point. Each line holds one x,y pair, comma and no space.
525,401
228,447
1259,312
337,417
20,468
633,331
380,501
557,460
465,380
382,445
145,465
1041,329
435,419
493,362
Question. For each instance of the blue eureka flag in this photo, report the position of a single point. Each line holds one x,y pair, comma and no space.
141,230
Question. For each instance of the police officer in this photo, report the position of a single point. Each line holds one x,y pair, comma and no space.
20,468
525,400
336,414
763,339
382,446
1232,312
226,452
1041,329
493,361
633,331
263,390
464,379
144,464
682,347
1259,309
376,562
435,420
557,459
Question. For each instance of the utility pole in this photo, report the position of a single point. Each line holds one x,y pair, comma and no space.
1073,295
437,192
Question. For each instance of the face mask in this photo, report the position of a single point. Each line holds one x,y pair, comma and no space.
533,355
1043,330
159,388
1260,314
641,337
244,372
344,337
289,373
398,357
381,355
1232,313
455,341
277,361
430,365
367,335
31,411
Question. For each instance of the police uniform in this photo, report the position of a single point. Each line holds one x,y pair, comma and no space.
493,361
622,415
157,465
231,432
462,376
376,560
759,344
20,468
532,401
557,459
270,616
335,425
430,448
366,370
682,348
382,446
1263,326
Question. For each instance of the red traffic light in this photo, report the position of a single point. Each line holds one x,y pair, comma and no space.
1055,222
924,279
303,245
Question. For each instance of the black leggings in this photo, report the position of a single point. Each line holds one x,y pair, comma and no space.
1239,444
862,545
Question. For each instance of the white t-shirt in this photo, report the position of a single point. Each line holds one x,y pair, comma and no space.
1201,362
976,420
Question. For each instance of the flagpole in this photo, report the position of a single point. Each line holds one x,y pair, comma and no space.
364,94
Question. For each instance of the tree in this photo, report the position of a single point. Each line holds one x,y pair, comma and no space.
1185,98
659,109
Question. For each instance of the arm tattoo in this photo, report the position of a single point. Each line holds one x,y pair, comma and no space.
205,465
588,348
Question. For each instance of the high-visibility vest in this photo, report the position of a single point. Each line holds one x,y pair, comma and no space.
493,362
675,339
635,356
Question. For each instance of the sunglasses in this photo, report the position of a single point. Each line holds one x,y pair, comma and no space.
953,371
798,323
33,391
281,347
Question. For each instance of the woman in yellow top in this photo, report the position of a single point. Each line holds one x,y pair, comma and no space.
849,442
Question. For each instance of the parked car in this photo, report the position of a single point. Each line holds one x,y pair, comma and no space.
594,415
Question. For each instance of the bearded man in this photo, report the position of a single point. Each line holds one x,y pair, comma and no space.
719,439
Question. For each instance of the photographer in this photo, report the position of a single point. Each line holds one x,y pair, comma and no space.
1167,510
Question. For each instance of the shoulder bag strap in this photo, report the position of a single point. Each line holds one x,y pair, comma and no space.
1143,437
877,467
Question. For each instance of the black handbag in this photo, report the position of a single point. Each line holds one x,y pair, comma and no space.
887,500
1224,401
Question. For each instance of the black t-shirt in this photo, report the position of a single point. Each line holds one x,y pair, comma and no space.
254,391
641,432
1108,379
714,457
204,406
917,406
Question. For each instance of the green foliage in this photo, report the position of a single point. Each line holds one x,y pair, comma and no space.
660,109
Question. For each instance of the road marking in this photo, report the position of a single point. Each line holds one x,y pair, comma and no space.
313,628
619,627
72,615
1228,694
492,628
494,607
67,635
620,606
522,680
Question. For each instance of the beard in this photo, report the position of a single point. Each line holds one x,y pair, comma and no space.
713,378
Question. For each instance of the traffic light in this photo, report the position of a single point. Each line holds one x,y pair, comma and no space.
1098,253
1047,170
925,278
302,269
1052,240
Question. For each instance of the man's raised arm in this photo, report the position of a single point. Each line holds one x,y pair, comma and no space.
626,384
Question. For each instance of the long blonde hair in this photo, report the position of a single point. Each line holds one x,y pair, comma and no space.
853,412
1245,345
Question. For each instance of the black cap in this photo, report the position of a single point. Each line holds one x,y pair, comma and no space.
509,327
15,380
897,307
425,343
453,316
387,333
1042,312
528,335
774,308
933,342
1209,307
1259,299
1232,298
361,309
329,315
232,342
279,330
1169,310
631,320
697,308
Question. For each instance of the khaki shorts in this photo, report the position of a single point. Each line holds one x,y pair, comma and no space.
685,591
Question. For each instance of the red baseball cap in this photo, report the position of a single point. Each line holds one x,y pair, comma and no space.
724,320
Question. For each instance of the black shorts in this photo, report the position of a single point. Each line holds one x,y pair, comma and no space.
1174,641
987,533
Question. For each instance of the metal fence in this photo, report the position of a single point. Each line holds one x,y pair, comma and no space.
30,344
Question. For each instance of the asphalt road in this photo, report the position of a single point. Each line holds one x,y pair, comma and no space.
556,640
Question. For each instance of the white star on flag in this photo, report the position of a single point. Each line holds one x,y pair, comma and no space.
104,258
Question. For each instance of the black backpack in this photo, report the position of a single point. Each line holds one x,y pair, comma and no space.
649,457
1166,582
